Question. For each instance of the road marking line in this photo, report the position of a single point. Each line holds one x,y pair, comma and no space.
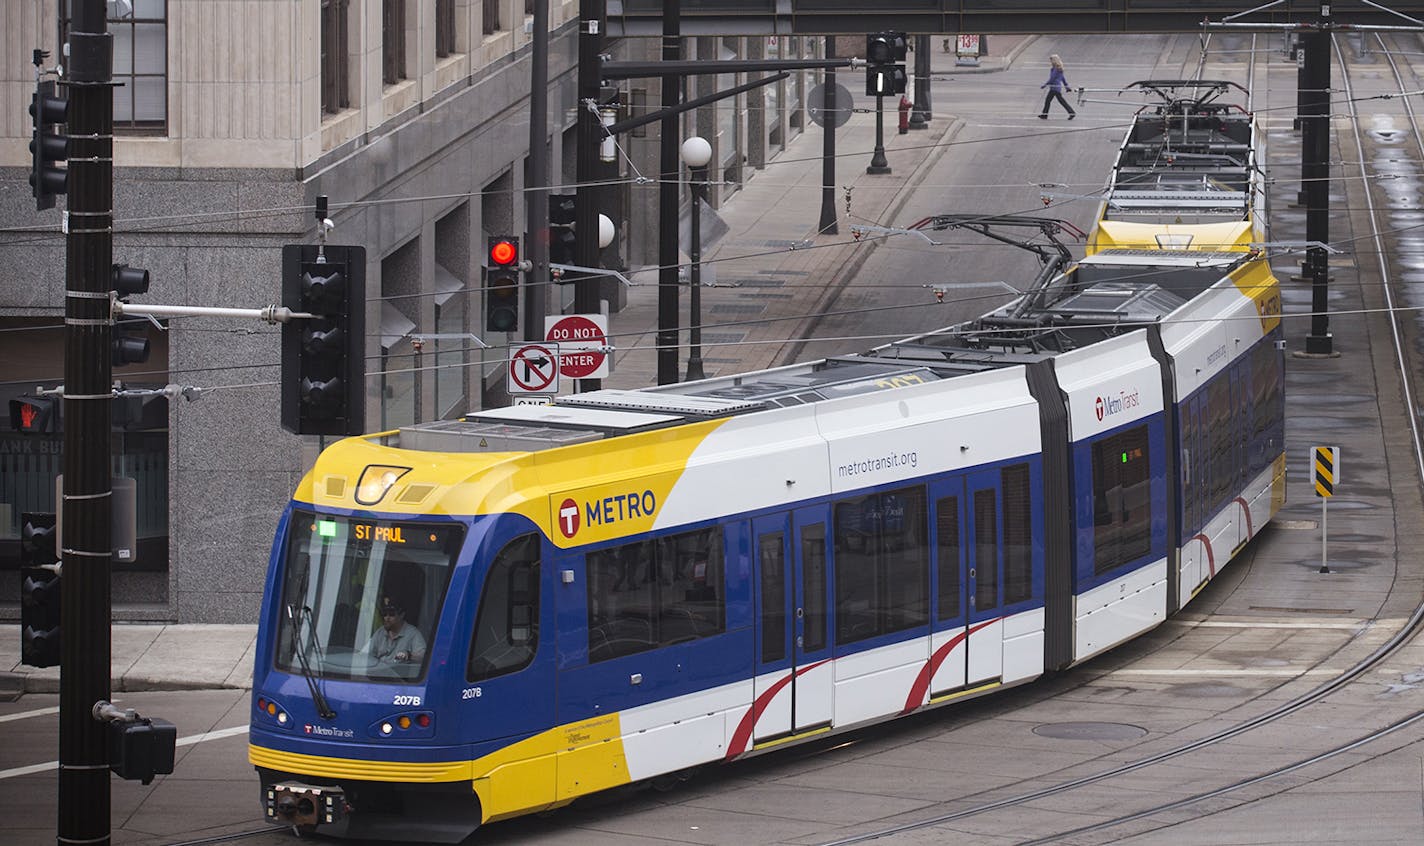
25,715
1281,672
1303,624
15,772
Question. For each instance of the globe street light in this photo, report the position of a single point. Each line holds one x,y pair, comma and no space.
696,153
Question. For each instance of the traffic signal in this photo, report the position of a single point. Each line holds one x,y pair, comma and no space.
885,80
563,239
324,356
502,285
39,591
34,415
883,76
47,146
129,342
877,49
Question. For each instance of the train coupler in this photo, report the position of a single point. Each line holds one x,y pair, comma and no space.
297,804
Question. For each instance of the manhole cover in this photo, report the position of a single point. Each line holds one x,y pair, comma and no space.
1090,731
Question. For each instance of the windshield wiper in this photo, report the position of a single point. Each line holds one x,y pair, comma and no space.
298,618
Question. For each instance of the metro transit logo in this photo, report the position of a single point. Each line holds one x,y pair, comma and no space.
568,518
1108,406
605,511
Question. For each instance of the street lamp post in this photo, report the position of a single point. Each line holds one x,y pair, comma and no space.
696,153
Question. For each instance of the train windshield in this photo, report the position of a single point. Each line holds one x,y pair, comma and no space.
361,598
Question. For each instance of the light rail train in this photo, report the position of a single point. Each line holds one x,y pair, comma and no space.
469,620
1189,175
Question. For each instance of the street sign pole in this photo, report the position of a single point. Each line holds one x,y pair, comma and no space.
1326,464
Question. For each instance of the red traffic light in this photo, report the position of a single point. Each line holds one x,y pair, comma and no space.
503,252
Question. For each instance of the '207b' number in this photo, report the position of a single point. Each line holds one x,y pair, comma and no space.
405,699
471,693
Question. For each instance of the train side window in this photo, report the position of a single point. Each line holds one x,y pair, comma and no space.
1018,534
813,586
689,586
1220,433
906,558
1122,499
507,625
882,564
656,593
986,550
773,596
947,558
621,582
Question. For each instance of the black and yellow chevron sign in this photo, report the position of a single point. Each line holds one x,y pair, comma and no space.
1326,463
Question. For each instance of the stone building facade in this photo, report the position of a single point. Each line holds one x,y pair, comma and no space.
234,116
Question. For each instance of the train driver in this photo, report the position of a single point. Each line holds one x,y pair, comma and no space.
396,642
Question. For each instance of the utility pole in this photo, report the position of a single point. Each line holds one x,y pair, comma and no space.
670,167
536,282
589,135
1315,173
920,113
828,225
85,597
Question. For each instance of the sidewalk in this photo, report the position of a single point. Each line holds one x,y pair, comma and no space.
758,279
755,277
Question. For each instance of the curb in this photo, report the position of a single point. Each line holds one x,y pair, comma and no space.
15,685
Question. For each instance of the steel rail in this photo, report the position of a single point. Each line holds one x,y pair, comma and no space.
1388,648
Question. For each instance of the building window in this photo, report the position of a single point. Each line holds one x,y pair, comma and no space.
393,41
491,16
140,31
335,71
444,28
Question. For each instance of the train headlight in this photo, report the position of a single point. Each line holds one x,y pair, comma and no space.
404,725
271,712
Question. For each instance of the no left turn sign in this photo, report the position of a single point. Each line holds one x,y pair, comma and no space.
534,369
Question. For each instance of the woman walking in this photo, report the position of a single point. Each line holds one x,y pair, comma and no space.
1056,85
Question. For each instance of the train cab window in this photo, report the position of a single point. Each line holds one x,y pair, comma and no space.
1018,534
1122,499
947,544
361,598
507,625
881,563
655,593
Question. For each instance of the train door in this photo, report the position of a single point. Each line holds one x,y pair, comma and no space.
985,659
1241,443
814,682
774,686
1193,471
951,581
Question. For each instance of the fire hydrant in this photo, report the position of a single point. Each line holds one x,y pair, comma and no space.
905,105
